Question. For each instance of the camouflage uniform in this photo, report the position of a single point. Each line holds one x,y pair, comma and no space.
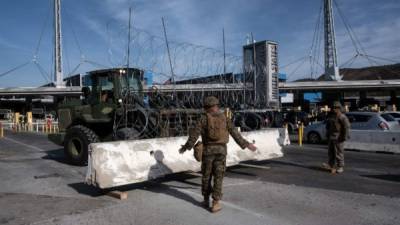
214,156
337,130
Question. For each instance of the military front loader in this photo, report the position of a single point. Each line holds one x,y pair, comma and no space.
112,108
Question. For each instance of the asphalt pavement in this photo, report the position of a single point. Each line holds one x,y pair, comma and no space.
38,187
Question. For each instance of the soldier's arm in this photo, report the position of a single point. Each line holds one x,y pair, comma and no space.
327,127
195,133
346,127
243,143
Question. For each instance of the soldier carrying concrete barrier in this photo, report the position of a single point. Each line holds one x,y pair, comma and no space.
214,128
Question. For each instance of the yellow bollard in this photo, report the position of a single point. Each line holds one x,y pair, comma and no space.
301,130
16,118
16,121
29,120
1,130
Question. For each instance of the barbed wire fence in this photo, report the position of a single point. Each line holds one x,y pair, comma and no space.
190,63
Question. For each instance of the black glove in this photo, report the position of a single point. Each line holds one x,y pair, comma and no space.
182,149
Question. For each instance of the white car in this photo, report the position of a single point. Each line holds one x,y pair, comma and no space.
316,133
395,115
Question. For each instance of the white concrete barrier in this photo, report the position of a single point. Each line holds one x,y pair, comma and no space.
374,140
119,163
284,138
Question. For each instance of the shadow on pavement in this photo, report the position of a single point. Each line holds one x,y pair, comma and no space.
188,182
156,186
56,155
235,169
85,189
316,168
387,177
174,191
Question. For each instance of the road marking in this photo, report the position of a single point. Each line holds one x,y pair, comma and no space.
231,205
255,166
23,144
239,184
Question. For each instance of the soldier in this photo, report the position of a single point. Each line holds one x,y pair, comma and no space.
214,128
337,130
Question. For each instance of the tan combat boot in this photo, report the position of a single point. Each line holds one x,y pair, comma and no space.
326,166
206,202
216,206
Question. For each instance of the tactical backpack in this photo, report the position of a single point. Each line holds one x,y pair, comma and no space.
198,151
217,129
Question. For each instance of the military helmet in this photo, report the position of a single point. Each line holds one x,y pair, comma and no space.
210,101
336,104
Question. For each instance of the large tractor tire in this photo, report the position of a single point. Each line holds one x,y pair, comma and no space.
76,144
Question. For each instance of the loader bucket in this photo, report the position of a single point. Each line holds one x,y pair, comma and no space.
112,164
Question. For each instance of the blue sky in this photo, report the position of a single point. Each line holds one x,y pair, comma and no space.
95,31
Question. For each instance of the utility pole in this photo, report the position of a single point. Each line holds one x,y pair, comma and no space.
169,57
58,71
129,41
254,68
331,62
223,43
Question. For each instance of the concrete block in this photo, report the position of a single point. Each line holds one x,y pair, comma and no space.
374,140
112,164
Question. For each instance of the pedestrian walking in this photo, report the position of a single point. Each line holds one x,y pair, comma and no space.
214,128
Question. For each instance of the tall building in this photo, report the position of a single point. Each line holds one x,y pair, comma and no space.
261,70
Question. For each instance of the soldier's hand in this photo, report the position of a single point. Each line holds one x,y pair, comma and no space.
252,147
182,150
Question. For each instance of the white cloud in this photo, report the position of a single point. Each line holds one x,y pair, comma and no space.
10,45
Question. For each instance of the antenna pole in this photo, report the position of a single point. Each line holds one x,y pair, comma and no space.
129,39
255,68
223,42
58,72
331,62
169,57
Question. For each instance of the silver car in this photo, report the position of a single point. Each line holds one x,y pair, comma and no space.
316,133
396,115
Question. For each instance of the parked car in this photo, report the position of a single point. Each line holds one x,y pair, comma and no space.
5,114
38,113
293,120
396,115
316,133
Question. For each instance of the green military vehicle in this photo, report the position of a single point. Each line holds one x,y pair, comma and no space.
115,106
111,108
